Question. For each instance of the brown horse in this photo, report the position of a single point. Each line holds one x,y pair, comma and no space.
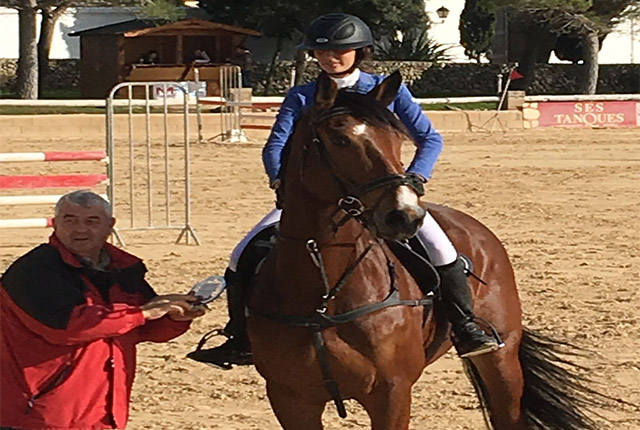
334,315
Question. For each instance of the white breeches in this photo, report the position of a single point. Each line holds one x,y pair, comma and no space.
270,219
438,245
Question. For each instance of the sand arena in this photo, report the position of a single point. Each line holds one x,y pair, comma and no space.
564,202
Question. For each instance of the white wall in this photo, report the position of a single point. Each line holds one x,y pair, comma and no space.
623,45
9,33
620,47
446,32
63,45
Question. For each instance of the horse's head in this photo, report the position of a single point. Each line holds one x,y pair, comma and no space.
352,155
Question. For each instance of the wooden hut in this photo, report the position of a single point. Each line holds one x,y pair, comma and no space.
112,53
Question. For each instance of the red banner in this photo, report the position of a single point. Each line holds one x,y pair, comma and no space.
589,114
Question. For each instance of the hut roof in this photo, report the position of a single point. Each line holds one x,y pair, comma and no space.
142,27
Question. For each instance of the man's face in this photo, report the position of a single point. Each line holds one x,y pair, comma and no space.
83,231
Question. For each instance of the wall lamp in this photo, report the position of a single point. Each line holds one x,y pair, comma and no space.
443,13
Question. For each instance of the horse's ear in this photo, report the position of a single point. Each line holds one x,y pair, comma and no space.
326,92
386,92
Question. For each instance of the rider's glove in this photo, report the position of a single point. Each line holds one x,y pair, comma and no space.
275,185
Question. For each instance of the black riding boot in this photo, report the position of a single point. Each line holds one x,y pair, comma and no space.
236,349
468,338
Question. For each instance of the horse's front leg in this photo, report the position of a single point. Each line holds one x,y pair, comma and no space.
294,412
389,406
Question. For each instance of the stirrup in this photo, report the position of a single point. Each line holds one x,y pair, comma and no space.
223,356
482,349
485,343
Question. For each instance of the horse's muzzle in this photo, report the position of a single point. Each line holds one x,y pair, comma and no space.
401,218
402,224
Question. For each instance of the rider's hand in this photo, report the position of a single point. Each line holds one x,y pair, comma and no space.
275,185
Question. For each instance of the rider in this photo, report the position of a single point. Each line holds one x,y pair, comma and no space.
340,42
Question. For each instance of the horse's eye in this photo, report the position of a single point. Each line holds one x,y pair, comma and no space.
342,141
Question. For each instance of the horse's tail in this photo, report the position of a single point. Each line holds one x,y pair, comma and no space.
556,396
556,393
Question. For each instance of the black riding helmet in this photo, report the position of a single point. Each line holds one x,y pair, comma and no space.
336,31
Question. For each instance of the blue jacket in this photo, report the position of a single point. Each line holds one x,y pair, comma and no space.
300,98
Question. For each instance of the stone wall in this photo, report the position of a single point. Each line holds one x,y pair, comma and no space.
65,74
427,80
8,69
424,79
563,79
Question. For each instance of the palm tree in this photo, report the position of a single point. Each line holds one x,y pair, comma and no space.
412,45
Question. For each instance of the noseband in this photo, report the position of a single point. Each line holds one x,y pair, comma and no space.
351,203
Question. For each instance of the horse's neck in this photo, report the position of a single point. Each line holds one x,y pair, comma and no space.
304,222
299,278
304,216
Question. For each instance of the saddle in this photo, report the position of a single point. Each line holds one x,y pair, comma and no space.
412,254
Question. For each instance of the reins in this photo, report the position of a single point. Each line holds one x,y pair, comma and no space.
331,292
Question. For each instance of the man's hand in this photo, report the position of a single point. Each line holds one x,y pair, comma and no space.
170,304
194,312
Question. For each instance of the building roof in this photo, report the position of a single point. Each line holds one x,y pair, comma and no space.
141,27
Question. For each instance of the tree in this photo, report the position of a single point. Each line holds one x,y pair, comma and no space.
477,28
287,19
27,85
165,10
33,61
573,28
50,13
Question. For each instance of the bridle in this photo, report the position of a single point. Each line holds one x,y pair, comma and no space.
351,202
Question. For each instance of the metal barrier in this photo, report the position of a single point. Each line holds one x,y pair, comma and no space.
32,182
230,91
170,94
237,122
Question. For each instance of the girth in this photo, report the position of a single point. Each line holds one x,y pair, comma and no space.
321,321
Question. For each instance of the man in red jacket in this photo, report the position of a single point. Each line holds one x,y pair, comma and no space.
71,314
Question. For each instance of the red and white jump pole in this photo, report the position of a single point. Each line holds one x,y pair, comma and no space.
13,182
54,156
26,223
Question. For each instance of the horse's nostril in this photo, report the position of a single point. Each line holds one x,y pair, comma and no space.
397,219
402,221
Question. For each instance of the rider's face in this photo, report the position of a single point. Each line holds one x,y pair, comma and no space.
336,62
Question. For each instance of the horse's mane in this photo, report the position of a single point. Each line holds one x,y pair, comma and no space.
372,111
